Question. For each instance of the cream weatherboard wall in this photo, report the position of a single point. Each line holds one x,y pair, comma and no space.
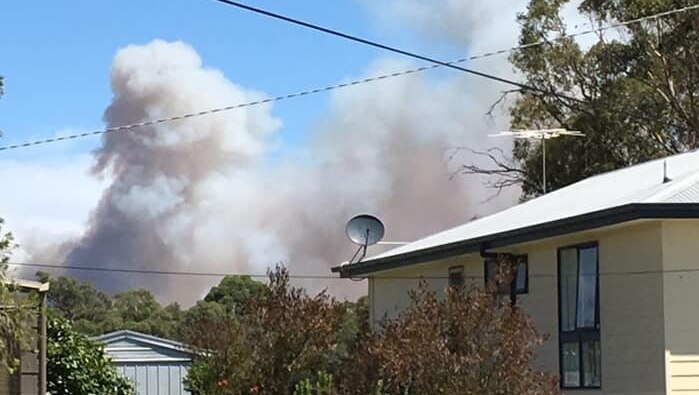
632,324
681,300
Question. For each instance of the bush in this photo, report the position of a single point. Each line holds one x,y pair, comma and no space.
78,366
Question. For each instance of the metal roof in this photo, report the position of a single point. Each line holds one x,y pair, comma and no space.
635,192
113,337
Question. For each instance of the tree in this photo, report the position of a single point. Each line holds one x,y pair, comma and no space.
636,95
77,366
93,312
470,342
269,345
89,309
233,291
15,310
140,311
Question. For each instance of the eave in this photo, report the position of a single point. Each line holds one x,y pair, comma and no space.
587,221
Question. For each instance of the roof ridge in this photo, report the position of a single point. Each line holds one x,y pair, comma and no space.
636,165
676,186
151,339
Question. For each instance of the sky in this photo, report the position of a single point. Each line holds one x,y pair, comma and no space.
56,59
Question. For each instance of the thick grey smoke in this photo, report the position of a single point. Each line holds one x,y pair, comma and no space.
201,194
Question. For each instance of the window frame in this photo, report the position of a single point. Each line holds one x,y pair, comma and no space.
458,269
583,335
519,259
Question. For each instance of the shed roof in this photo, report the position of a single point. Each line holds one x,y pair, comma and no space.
622,195
131,346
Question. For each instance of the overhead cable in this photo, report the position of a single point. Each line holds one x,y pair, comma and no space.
130,127
399,51
58,266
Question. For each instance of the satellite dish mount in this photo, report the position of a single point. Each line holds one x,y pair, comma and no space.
364,230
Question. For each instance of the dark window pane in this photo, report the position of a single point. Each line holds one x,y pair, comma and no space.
456,276
490,266
570,364
592,360
492,271
568,283
521,277
587,290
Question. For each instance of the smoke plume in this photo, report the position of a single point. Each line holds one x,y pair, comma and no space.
202,195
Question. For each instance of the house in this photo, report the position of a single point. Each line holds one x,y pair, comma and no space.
608,267
155,366
30,376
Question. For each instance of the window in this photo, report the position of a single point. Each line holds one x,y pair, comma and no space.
520,279
456,276
578,306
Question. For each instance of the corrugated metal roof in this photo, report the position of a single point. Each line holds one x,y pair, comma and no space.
127,341
639,184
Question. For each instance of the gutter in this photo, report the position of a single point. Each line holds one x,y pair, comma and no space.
587,221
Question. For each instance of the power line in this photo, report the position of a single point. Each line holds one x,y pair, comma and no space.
157,272
380,77
318,276
392,49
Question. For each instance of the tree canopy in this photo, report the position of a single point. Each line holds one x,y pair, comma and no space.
94,312
636,90
233,291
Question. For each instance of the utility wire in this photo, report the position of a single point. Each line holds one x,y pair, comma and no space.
319,276
133,126
157,272
399,51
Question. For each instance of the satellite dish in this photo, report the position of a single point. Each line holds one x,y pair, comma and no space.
365,230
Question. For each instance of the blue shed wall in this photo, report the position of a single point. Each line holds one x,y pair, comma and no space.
155,366
155,378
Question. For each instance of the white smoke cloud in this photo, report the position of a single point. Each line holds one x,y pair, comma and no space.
468,24
201,195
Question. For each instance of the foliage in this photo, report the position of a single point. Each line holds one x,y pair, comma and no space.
271,344
15,311
94,312
636,91
233,291
77,366
223,300
140,311
470,342
323,384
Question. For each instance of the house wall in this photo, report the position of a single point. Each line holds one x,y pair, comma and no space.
631,304
681,301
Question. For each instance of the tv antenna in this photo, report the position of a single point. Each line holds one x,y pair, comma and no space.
364,230
539,134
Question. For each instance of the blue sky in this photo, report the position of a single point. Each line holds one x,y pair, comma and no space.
56,57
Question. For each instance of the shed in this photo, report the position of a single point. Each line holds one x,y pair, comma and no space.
154,365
